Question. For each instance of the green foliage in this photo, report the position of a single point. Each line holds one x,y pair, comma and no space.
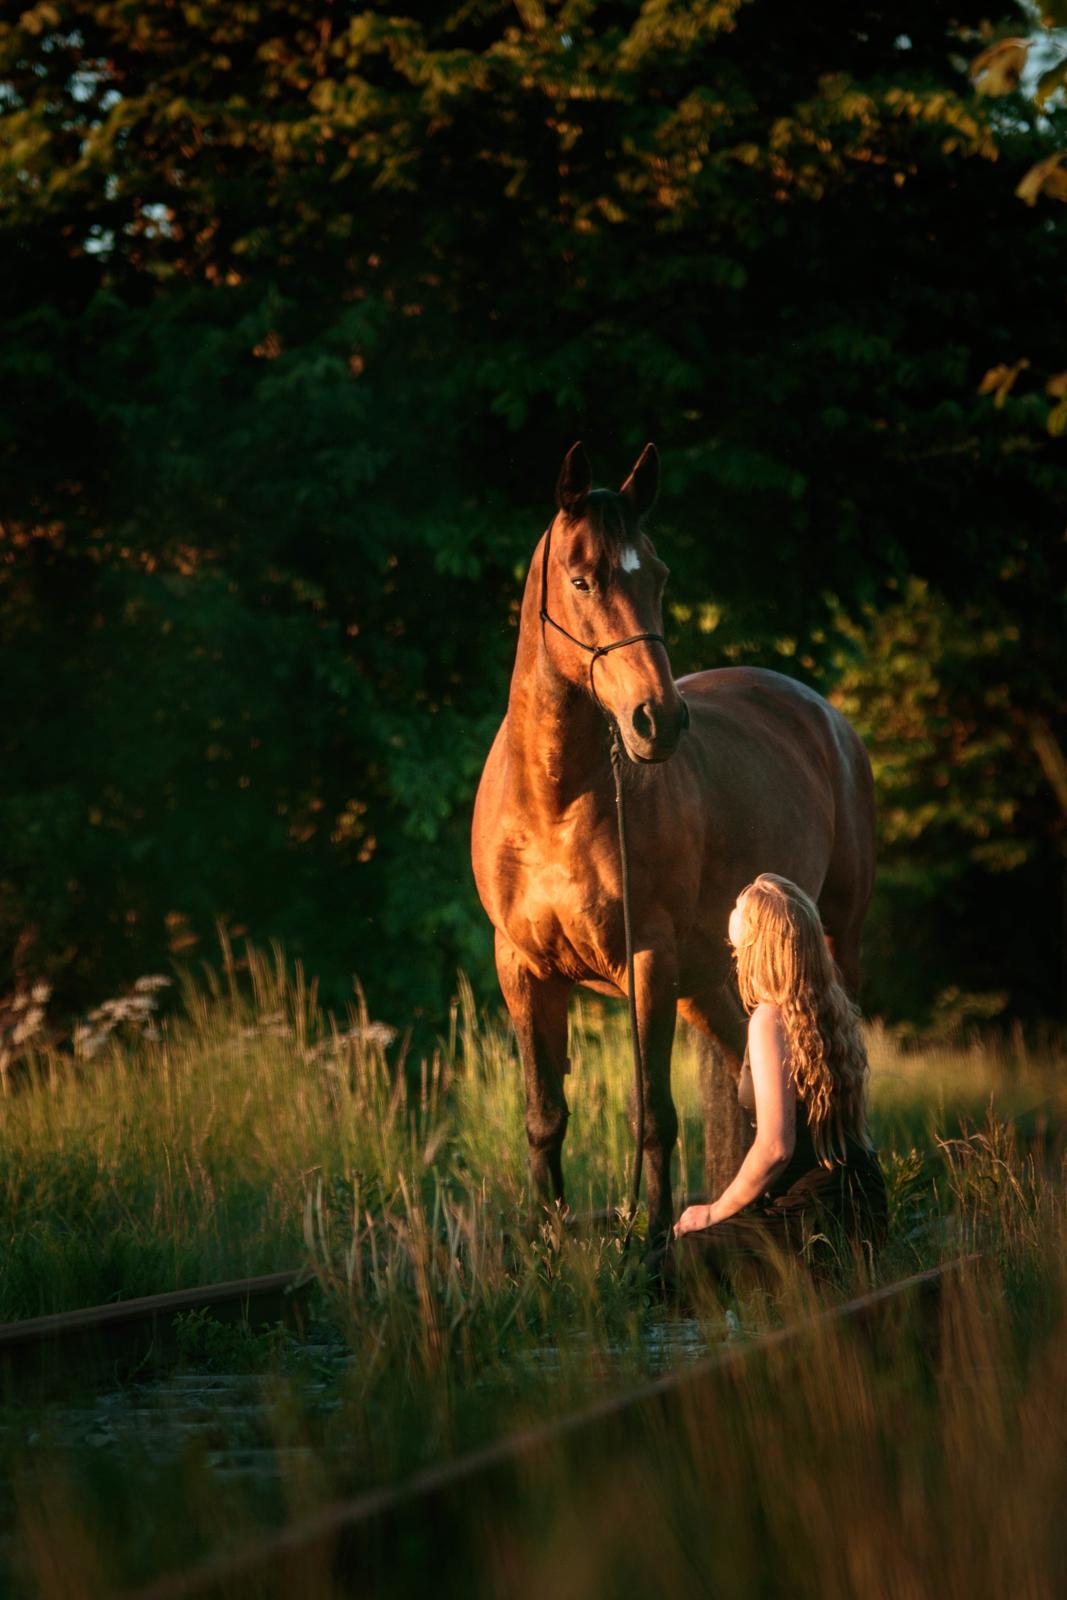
944,700
959,707
212,1345
298,312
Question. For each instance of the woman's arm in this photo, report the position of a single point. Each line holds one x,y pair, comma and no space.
776,1108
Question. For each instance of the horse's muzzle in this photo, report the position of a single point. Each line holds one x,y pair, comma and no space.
653,735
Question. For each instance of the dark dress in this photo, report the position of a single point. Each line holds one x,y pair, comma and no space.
809,1209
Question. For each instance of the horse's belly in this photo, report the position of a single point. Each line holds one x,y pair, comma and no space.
602,986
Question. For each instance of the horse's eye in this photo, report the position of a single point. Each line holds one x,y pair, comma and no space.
580,584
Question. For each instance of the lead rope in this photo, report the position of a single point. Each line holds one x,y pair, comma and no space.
596,653
617,757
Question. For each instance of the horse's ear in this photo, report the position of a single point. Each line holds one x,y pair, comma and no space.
575,479
642,486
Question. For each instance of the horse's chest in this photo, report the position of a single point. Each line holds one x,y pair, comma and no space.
563,912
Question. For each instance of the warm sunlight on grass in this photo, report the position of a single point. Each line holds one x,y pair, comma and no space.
256,1133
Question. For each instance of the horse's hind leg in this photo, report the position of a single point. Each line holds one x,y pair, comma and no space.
719,1019
846,889
538,1009
843,941
842,908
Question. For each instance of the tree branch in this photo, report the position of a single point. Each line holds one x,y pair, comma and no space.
1050,754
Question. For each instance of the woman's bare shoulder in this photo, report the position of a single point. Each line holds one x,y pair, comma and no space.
766,1019
766,1031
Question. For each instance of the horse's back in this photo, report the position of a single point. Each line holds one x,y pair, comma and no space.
731,687
788,771
761,704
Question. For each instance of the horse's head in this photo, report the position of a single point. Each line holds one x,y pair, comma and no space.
601,591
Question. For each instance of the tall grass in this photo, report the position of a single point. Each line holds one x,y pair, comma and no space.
927,1459
257,1133
207,1152
211,1149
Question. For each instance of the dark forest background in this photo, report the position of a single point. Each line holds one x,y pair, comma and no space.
301,304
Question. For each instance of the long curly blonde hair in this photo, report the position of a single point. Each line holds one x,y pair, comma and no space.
782,957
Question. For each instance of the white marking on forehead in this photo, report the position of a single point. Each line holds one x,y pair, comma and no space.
630,559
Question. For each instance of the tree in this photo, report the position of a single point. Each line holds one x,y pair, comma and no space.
300,306
960,716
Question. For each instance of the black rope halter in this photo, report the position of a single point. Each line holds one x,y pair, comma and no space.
594,651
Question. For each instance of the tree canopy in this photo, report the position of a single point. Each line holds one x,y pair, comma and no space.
301,304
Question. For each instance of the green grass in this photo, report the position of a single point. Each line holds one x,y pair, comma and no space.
256,1129
257,1134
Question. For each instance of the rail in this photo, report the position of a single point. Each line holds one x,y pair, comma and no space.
220,1573
40,1351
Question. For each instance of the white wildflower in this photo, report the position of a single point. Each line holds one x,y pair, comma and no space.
28,1024
372,1033
87,1041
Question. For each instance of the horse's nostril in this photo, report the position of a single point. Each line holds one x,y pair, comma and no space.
644,725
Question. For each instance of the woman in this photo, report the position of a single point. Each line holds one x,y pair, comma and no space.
811,1170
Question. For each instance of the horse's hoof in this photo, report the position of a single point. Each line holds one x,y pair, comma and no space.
549,1219
657,1263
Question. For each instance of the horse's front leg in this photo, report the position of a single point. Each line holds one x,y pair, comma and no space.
656,975
538,1009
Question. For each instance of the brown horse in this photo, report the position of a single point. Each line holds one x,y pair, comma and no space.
750,772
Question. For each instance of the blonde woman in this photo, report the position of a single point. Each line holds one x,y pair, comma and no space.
803,1083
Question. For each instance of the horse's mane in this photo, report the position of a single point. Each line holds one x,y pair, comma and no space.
611,518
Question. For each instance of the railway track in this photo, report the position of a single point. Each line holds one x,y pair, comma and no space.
41,1354
334,1542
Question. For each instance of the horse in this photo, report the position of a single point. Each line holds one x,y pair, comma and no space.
728,773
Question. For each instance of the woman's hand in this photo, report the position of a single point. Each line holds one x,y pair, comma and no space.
693,1218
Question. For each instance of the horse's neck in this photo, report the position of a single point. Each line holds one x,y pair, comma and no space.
557,747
